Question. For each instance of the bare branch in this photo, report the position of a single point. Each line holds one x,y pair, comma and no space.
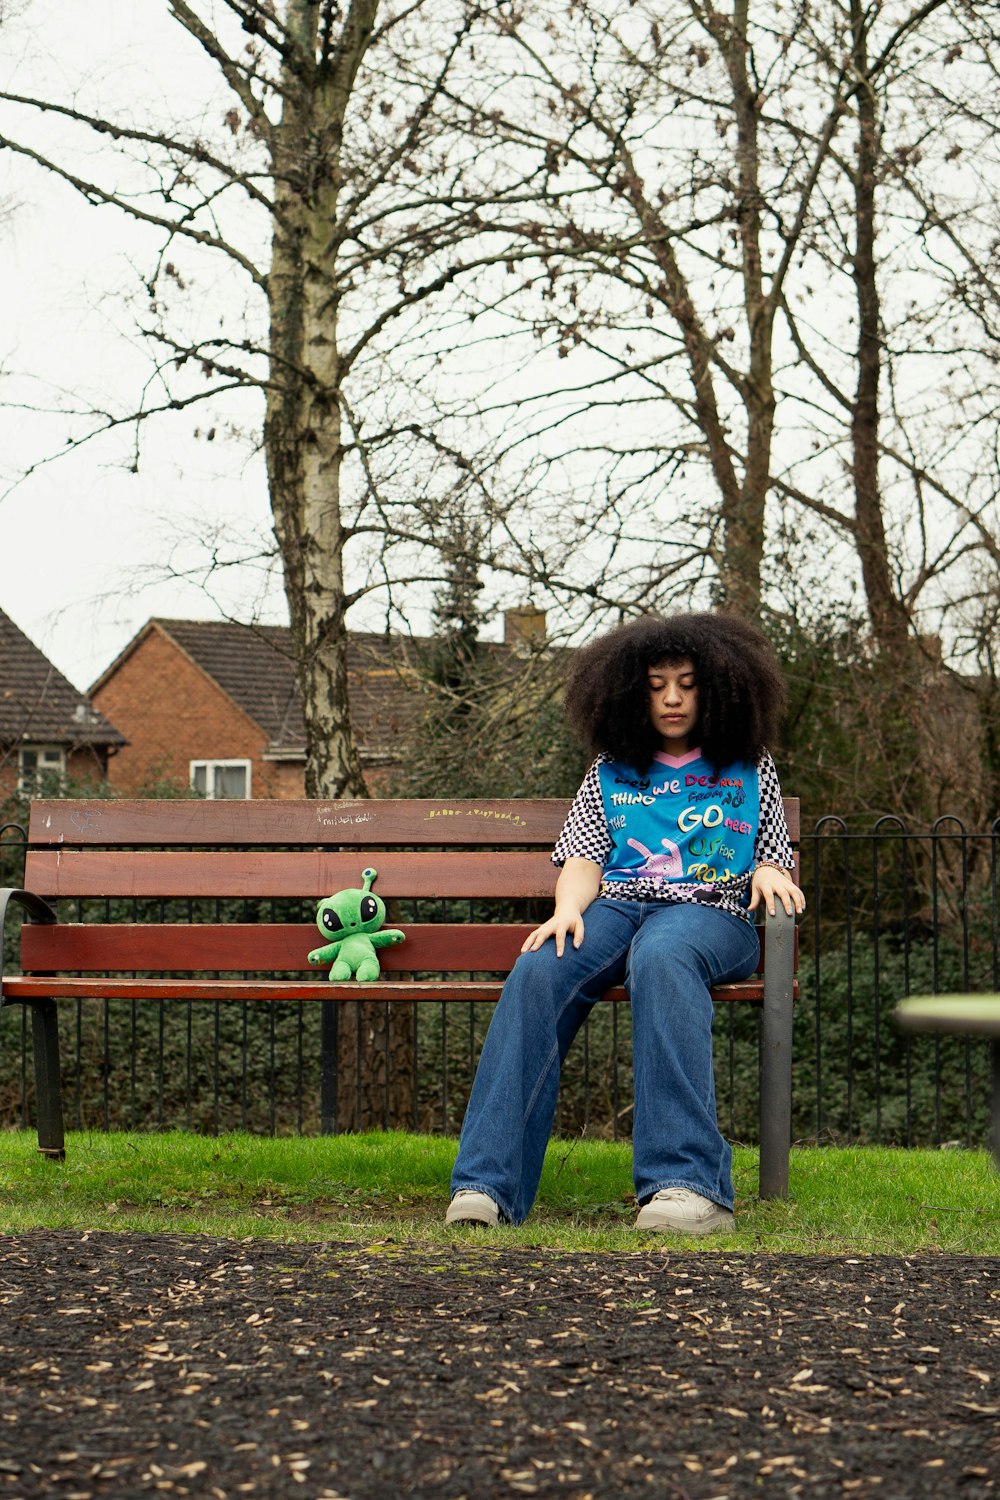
95,194
234,75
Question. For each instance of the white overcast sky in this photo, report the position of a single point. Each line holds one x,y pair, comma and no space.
83,542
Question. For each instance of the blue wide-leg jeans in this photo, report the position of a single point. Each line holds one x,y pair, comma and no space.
669,954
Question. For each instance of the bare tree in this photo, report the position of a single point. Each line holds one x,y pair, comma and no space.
331,185
766,264
918,430
678,202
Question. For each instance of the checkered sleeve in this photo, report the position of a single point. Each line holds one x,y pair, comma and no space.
585,833
773,844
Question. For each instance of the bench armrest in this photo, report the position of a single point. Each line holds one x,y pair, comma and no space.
37,910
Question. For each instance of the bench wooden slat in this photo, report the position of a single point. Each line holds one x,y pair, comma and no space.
82,947
311,874
256,948
355,824
348,824
254,875
37,987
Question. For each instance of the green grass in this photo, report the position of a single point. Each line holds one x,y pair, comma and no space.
383,1188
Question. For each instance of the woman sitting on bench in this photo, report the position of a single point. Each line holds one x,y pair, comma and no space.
676,836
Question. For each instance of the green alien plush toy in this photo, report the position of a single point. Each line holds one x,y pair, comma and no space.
352,919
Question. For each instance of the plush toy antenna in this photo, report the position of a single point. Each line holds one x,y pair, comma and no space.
368,876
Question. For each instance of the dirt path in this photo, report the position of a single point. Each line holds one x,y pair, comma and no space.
135,1364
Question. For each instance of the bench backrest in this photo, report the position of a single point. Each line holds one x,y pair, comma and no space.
260,851
267,850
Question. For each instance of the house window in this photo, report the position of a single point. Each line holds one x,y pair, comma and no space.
216,779
41,768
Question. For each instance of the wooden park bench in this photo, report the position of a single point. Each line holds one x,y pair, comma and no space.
424,851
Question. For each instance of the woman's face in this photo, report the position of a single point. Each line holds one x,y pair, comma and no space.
673,705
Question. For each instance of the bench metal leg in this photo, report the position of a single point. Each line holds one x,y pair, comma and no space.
776,1066
45,1034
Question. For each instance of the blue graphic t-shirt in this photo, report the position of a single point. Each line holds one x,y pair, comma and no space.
680,823
679,831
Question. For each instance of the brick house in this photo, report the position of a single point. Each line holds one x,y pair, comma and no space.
216,705
49,731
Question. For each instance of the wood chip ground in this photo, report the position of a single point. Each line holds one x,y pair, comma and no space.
137,1365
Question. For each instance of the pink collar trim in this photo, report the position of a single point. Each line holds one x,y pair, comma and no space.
676,761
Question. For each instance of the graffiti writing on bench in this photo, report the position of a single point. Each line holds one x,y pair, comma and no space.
478,812
330,819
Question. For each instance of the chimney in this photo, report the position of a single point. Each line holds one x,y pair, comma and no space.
524,629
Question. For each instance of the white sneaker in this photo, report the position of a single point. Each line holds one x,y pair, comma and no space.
470,1207
682,1211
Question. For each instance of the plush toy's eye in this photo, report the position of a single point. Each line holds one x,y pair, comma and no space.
369,908
331,921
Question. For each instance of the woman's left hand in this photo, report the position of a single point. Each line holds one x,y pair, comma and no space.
770,885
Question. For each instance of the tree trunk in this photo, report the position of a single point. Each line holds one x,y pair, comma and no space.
910,680
304,448
743,521
742,498
375,1086
302,431
890,623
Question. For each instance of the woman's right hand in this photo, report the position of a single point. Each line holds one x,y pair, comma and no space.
562,921
578,884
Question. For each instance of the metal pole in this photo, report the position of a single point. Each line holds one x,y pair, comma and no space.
776,1054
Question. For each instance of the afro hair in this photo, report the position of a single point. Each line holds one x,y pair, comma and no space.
741,694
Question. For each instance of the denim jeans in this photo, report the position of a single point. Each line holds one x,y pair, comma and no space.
669,954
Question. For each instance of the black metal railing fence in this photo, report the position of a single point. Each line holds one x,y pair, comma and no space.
891,912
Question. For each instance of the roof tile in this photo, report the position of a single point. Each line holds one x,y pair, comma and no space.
38,704
255,666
